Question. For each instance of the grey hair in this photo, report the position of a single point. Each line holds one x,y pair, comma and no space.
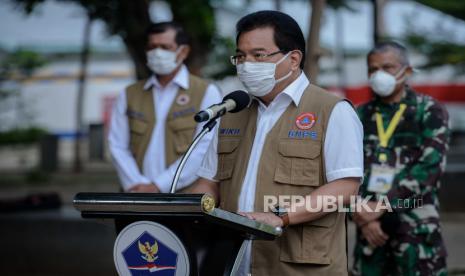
386,46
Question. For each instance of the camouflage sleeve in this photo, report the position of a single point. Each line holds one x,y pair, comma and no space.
360,111
420,178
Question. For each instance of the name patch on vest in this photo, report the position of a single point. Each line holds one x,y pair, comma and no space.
184,112
135,114
229,131
302,134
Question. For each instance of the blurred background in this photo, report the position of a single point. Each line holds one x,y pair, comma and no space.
62,64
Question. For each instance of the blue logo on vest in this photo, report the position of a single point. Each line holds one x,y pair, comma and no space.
302,134
149,256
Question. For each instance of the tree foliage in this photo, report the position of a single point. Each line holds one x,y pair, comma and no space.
21,63
436,45
438,52
453,8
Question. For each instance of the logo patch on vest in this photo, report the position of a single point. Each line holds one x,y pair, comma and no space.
183,99
229,131
302,134
305,120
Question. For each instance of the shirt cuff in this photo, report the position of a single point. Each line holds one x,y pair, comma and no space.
129,183
163,182
207,174
344,173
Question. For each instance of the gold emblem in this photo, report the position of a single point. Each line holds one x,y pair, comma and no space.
208,203
149,251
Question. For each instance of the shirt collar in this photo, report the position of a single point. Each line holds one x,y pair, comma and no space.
181,79
296,89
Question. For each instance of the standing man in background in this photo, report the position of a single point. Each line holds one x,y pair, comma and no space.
405,143
152,123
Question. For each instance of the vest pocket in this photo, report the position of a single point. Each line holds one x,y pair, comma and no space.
137,130
226,158
310,242
298,163
183,129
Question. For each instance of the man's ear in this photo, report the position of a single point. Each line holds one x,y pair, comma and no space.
184,53
295,57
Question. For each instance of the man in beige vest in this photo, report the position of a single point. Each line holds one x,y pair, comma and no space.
296,144
152,123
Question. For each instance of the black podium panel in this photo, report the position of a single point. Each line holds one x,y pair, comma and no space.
212,237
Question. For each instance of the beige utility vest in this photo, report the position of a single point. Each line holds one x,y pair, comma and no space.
180,125
291,163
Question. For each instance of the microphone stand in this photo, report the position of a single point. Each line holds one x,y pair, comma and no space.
206,128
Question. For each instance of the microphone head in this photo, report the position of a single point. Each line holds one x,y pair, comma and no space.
241,98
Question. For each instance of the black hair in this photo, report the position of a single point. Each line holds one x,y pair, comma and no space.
386,46
287,34
182,38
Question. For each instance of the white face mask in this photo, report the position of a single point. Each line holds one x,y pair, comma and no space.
383,83
161,61
258,77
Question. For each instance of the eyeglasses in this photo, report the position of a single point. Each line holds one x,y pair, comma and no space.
259,57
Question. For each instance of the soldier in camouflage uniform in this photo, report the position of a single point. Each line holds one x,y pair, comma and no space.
408,240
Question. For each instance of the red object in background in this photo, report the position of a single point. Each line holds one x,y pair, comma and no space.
447,93
108,102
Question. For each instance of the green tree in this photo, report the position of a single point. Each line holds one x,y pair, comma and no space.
20,63
439,50
14,68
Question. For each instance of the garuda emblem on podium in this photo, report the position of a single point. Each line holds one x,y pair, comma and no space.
149,251
148,256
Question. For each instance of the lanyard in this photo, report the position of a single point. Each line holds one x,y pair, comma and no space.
385,135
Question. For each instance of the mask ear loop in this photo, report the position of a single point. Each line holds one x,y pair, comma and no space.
288,74
179,49
401,71
177,52
283,58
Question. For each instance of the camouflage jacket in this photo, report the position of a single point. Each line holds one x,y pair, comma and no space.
417,152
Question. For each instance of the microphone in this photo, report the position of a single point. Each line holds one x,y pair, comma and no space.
233,102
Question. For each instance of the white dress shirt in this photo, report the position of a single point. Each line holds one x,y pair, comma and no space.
343,158
154,169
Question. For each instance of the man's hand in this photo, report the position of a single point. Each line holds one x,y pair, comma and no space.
144,188
365,216
268,218
374,234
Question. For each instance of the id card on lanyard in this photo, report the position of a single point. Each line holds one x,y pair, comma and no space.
382,175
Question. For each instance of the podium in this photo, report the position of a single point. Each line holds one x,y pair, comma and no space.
213,239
